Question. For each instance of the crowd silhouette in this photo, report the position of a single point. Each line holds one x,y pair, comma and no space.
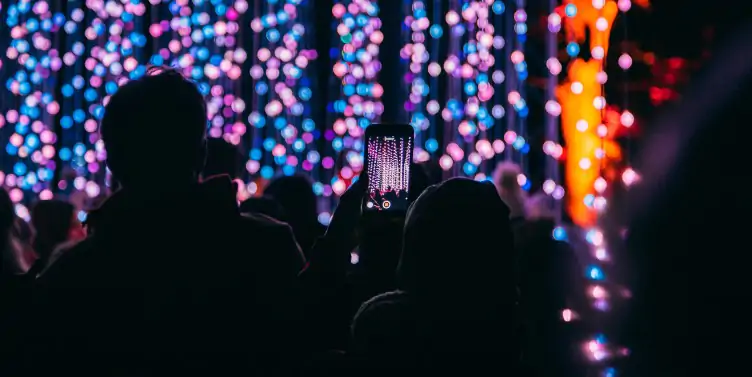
172,276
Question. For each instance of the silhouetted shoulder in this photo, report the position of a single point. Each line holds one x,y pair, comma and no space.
262,220
68,260
380,317
276,237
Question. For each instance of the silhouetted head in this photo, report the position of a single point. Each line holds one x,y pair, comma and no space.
54,223
264,205
295,195
221,158
154,129
458,240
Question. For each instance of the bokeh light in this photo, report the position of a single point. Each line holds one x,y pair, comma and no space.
464,71
284,131
357,94
64,59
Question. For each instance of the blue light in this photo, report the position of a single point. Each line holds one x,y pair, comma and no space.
573,49
65,154
272,35
570,10
470,88
313,156
337,144
267,172
432,145
498,7
519,142
67,90
19,168
324,217
309,125
595,273
436,31
269,144
560,234
66,122
261,88
32,141
469,168
11,149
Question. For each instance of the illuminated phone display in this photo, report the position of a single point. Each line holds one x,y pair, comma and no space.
388,163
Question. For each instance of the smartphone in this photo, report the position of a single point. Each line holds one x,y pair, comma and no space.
388,156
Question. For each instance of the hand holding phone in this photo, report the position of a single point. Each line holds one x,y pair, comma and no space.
389,154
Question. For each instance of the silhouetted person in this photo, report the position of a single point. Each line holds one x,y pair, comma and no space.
381,246
454,309
173,280
14,284
551,281
12,263
55,223
295,194
221,158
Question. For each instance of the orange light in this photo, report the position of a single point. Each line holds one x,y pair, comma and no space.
587,151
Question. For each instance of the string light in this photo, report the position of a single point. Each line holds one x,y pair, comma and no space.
355,71
590,129
457,92
581,104
106,43
283,131
551,146
517,75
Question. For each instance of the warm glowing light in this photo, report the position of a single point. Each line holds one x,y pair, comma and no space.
581,100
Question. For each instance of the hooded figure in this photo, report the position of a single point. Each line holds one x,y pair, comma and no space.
455,306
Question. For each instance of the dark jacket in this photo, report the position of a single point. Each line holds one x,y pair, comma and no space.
167,285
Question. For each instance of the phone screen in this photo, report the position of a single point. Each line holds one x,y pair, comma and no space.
388,166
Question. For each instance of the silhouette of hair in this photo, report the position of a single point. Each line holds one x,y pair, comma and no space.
264,205
221,158
51,220
157,119
463,258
